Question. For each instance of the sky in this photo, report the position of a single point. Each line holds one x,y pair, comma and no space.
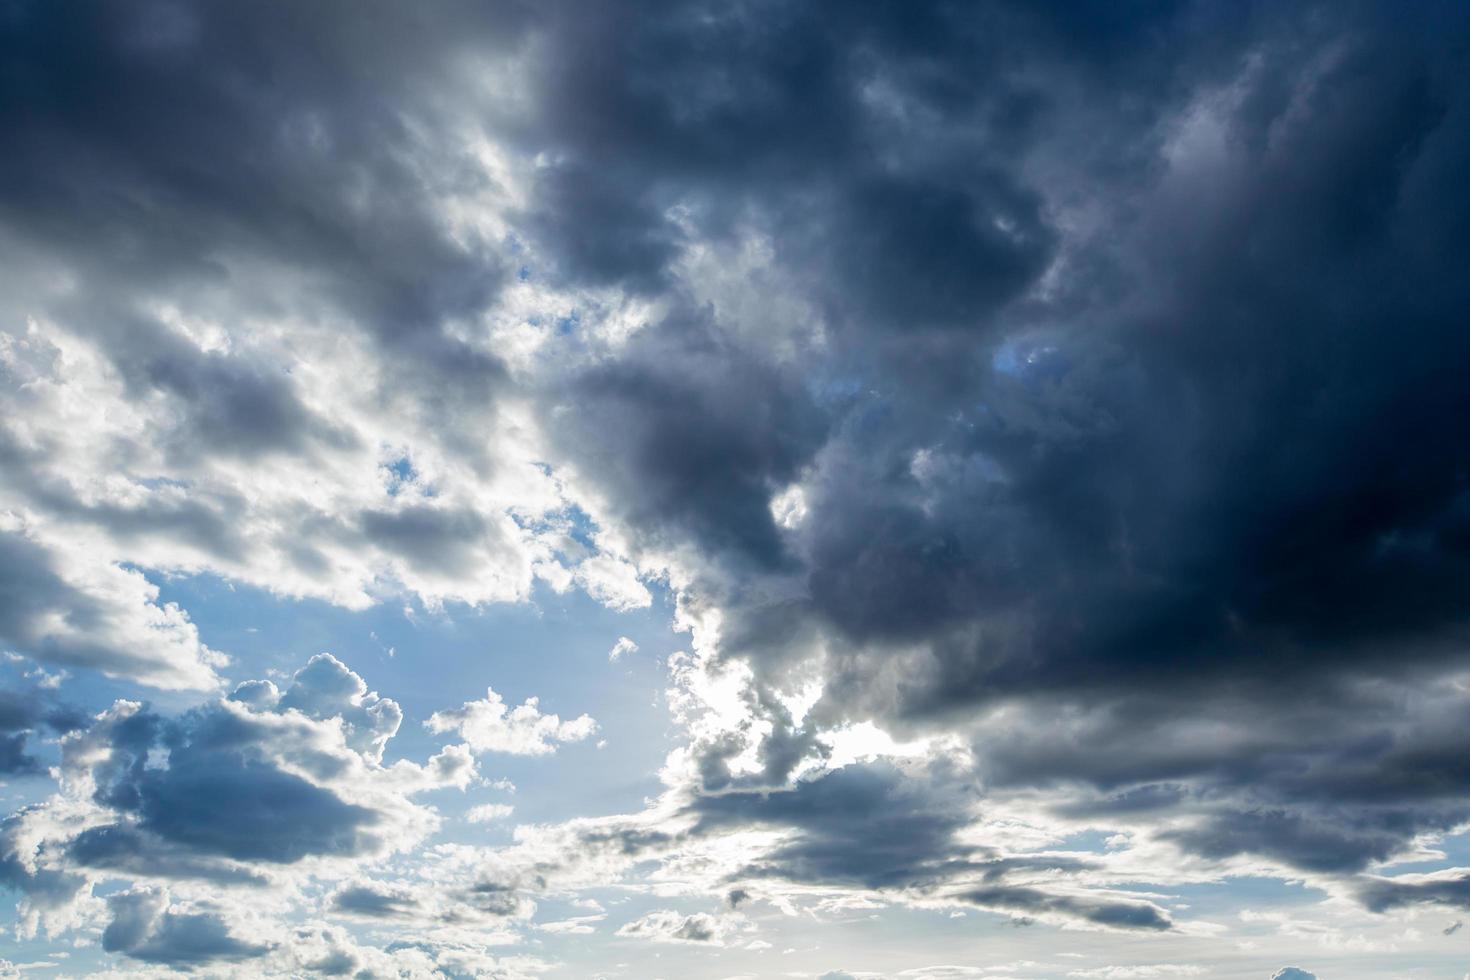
852,490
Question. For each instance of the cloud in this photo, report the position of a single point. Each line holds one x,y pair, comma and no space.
1070,398
1449,887
63,607
240,373
620,649
976,532
374,901
1292,973
488,812
1109,914
229,806
861,825
1149,970
488,725
230,790
612,582
22,713
325,688
666,926
145,928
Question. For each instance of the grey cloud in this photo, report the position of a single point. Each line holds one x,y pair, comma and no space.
1381,894
121,849
140,137
693,436
336,964
910,252
143,928
374,901
218,796
1136,513
46,614
860,825
208,525
13,757
1329,788
235,169
599,234
223,800
873,826
1133,383
669,926
1032,901
22,713
40,886
432,539
457,904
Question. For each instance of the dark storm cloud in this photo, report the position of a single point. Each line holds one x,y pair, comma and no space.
908,253
1256,473
1212,447
1152,450
693,436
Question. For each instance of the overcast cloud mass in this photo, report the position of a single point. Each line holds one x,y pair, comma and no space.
862,489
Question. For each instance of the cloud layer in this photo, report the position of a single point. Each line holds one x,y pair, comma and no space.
1048,422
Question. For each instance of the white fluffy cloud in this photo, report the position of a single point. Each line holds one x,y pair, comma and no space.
489,725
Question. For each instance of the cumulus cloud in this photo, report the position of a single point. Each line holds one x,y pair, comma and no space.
489,725
325,688
621,649
144,927
232,804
